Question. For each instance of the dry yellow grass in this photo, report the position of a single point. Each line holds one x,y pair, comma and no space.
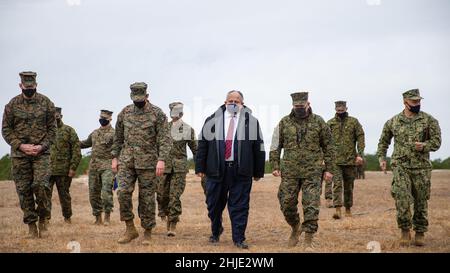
374,220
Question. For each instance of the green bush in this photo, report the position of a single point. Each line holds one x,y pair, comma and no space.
84,165
5,168
371,165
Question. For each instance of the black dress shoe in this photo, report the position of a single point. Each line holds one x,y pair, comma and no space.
215,239
241,245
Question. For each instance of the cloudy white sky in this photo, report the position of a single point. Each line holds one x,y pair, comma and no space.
88,52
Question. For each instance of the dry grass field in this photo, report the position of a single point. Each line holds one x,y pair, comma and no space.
373,220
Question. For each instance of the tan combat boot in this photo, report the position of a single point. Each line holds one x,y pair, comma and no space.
107,220
43,231
67,221
32,231
130,233
419,239
295,233
147,237
309,240
405,240
337,215
43,224
329,203
163,218
98,220
172,232
348,212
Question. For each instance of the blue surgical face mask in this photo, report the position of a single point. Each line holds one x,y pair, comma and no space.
232,108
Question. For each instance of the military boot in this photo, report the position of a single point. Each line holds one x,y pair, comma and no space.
67,221
419,239
172,232
329,203
295,233
107,220
43,224
130,233
43,231
309,240
32,231
348,212
337,215
405,240
147,237
98,220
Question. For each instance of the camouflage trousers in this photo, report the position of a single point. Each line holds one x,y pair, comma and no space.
360,172
147,184
31,176
101,184
170,189
342,184
63,187
288,194
411,187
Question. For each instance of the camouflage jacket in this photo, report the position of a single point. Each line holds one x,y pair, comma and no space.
307,144
142,137
347,133
182,134
65,152
29,121
101,140
406,131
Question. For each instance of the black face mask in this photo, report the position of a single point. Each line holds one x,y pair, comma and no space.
29,92
414,109
342,115
139,104
103,121
300,112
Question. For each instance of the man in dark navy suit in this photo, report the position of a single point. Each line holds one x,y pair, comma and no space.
230,153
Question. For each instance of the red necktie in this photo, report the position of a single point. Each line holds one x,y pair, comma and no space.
229,139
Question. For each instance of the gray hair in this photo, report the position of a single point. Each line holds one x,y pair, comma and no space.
239,92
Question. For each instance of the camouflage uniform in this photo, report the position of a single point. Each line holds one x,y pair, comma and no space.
30,121
307,143
347,135
141,139
174,179
101,177
412,169
361,171
65,155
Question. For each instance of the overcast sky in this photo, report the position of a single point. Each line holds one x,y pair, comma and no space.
368,52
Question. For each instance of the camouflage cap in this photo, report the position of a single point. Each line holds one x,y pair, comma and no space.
299,98
105,114
28,78
176,105
340,103
58,110
138,91
413,94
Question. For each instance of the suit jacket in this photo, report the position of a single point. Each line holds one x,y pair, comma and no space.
249,153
